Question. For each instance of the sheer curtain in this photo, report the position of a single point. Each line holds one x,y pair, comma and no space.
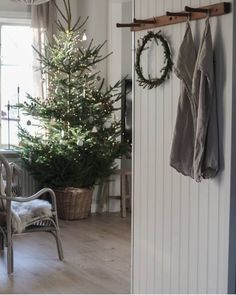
43,20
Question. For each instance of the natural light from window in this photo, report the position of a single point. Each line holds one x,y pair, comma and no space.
16,78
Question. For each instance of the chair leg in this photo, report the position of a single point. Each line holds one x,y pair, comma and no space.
10,267
59,245
57,236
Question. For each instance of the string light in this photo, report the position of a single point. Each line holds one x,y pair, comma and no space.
84,38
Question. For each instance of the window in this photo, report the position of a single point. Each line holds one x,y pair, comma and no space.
16,78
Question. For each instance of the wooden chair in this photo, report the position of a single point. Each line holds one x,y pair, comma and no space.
125,191
43,215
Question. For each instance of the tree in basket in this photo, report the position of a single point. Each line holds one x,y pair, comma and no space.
77,140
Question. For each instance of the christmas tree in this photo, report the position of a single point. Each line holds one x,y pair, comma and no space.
78,138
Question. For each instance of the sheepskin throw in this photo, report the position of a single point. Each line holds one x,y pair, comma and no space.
25,213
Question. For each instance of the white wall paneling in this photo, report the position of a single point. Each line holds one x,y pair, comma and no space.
181,229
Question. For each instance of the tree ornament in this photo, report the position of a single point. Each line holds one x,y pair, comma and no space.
98,78
90,119
53,121
66,62
58,90
28,122
94,130
107,124
80,142
153,82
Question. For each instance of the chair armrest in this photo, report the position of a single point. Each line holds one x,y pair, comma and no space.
33,197
17,168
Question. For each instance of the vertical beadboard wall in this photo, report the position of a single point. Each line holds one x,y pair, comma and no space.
180,228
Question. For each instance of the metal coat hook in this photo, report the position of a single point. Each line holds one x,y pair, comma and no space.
118,25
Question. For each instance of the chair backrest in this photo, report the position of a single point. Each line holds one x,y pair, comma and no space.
2,192
6,187
5,167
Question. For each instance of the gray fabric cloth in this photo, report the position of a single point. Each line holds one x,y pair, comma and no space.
181,157
194,149
206,147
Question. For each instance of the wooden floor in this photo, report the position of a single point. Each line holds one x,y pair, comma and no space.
97,259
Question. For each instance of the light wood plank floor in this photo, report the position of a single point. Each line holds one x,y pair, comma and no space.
97,259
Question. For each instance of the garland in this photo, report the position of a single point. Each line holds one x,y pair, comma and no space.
149,82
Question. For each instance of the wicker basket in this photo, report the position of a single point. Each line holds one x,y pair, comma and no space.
73,203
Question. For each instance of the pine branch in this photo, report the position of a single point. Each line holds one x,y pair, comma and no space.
59,10
60,26
101,85
69,17
83,23
66,8
75,25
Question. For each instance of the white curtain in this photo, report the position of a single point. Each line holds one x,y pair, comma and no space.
43,24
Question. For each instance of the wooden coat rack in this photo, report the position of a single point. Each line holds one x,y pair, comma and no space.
178,17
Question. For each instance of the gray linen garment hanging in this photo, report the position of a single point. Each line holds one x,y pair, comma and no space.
182,151
206,146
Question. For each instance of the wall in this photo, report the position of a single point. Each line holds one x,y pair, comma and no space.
126,40
119,63
181,229
119,41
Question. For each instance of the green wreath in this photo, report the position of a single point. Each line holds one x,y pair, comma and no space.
153,82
